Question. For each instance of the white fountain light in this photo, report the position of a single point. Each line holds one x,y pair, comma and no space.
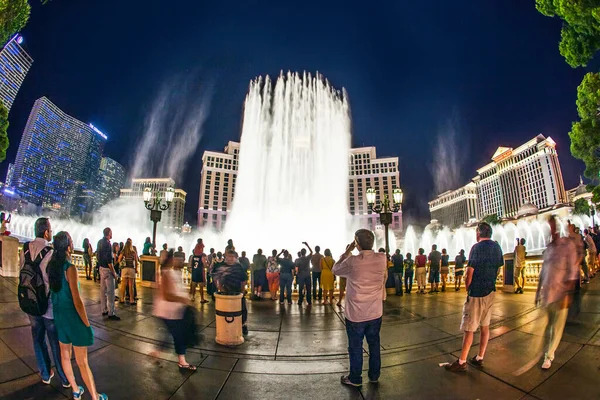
292,184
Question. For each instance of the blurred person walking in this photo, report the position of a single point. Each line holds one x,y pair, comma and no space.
170,307
591,251
555,289
75,333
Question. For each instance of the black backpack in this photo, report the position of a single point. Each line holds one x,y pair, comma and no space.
32,290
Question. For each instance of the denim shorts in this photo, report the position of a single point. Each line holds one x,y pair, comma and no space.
434,276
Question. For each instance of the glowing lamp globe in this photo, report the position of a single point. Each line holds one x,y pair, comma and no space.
371,196
170,194
398,196
147,194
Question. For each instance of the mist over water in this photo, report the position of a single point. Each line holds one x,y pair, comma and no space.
171,133
172,130
451,149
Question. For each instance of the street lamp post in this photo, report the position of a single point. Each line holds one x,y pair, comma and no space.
592,211
385,210
157,205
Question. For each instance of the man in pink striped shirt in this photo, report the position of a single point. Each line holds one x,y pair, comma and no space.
365,275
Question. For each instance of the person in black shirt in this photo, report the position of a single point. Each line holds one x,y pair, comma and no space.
435,263
303,276
482,269
398,271
108,275
408,272
286,268
231,277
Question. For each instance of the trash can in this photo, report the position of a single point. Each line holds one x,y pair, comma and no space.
228,310
508,273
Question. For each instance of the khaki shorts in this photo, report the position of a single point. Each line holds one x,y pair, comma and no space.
477,311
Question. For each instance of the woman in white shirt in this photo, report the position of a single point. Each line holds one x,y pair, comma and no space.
170,307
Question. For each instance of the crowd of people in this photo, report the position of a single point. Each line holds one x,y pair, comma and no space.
60,314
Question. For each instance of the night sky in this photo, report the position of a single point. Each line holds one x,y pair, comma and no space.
470,75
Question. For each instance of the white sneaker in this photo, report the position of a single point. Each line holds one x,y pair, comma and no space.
47,382
547,363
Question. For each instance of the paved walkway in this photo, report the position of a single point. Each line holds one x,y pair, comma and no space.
294,352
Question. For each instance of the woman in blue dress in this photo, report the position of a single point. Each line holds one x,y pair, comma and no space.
72,324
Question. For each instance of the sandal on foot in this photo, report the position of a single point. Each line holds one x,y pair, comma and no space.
78,394
189,367
102,396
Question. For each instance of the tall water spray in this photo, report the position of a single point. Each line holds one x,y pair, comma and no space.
292,184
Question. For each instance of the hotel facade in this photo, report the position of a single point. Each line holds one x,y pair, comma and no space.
58,160
529,173
14,65
220,169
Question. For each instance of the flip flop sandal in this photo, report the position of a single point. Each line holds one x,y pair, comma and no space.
189,367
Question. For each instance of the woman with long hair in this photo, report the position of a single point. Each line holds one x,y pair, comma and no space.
327,277
87,258
72,324
129,270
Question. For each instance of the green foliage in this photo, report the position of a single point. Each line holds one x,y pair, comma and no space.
3,132
596,195
581,207
14,14
580,36
492,219
585,133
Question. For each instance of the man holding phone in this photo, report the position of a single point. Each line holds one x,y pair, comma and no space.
365,275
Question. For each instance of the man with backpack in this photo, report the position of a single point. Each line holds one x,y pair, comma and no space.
34,299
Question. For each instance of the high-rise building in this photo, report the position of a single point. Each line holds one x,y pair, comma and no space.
455,207
217,185
111,179
14,65
368,171
10,172
529,174
171,218
219,174
58,160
